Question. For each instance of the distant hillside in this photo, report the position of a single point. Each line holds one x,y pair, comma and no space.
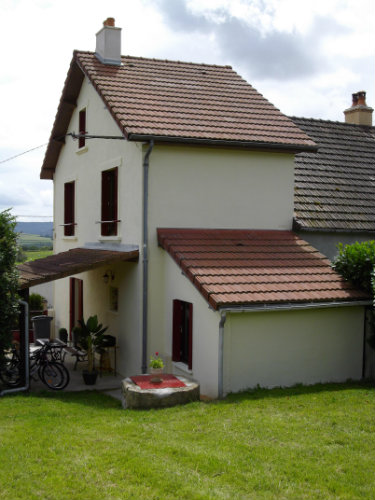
39,228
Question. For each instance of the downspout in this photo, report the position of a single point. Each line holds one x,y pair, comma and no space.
145,255
27,382
221,354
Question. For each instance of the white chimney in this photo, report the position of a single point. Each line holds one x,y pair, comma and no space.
108,43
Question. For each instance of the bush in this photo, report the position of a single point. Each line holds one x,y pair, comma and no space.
36,302
8,279
356,263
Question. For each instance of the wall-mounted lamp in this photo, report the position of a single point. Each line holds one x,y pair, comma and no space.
108,276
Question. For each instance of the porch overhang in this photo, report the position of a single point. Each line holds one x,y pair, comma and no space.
72,262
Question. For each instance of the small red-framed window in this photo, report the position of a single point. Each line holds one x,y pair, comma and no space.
182,338
109,219
69,219
82,127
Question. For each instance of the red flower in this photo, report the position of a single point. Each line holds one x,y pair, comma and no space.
156,354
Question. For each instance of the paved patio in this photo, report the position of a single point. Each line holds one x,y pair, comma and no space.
107,383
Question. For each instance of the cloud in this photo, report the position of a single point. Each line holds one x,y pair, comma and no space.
263,54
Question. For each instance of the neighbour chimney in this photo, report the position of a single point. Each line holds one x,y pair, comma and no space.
108,43
359,113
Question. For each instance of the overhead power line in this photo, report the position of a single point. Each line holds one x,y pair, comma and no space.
20,154
71,134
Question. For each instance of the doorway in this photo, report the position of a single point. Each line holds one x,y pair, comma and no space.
76,303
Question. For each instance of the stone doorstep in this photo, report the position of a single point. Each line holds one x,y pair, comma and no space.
135,397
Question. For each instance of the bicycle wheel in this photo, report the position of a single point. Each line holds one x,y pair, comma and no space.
10,372
54,375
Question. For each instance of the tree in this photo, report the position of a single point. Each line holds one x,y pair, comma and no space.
8,278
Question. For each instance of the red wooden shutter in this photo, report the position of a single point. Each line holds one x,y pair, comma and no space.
82,128
176,337
190,333
71,306
69,208
109,201
80,300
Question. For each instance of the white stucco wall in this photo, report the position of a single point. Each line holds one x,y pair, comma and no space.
205,329
85,167
211,188
285,348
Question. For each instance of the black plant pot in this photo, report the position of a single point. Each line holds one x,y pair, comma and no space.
89,377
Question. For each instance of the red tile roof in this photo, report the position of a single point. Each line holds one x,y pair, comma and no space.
177,101
245,267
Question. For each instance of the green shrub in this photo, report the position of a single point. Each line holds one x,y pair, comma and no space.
36,302
356,263
8,278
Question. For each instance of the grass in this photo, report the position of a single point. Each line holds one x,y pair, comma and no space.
300,443
37,254
34,240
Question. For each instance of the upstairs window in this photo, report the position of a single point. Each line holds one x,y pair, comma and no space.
82,128
109,202
69,222
182,349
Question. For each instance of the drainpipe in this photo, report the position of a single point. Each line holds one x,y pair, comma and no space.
145,256
26,386
223,318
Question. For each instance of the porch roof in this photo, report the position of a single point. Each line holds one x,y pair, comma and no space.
68,263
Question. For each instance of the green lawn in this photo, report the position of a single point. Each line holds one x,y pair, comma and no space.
300,443
37,254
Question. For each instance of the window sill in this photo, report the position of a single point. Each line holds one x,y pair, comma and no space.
70,238
82,150
182,367
109,238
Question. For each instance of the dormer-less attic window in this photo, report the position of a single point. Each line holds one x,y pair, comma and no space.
82,128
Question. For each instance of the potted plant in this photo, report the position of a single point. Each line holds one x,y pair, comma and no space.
156,364
91,336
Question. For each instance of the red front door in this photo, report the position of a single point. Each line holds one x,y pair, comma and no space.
76,303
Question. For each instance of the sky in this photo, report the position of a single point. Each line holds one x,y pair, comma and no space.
305,56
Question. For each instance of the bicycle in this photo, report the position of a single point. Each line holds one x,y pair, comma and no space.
42,362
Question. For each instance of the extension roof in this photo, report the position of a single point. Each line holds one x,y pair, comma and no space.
74,261
174,101
232,268
335,187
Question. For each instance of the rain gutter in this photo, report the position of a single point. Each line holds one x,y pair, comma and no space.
146,165
26,354
291,306
289,148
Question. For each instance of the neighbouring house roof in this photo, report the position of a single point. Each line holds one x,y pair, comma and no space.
176,101
335,187
68,263
248,267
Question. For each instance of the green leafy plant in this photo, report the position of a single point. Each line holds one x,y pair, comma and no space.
36,302
91,334
356,263
156,362
8,279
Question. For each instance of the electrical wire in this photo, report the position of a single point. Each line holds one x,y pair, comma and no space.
73,135
20,154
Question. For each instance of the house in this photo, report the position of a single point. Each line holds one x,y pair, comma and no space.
173,212
335,187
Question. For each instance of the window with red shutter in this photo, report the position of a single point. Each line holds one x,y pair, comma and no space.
182,348
109,218
69,222
82,128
